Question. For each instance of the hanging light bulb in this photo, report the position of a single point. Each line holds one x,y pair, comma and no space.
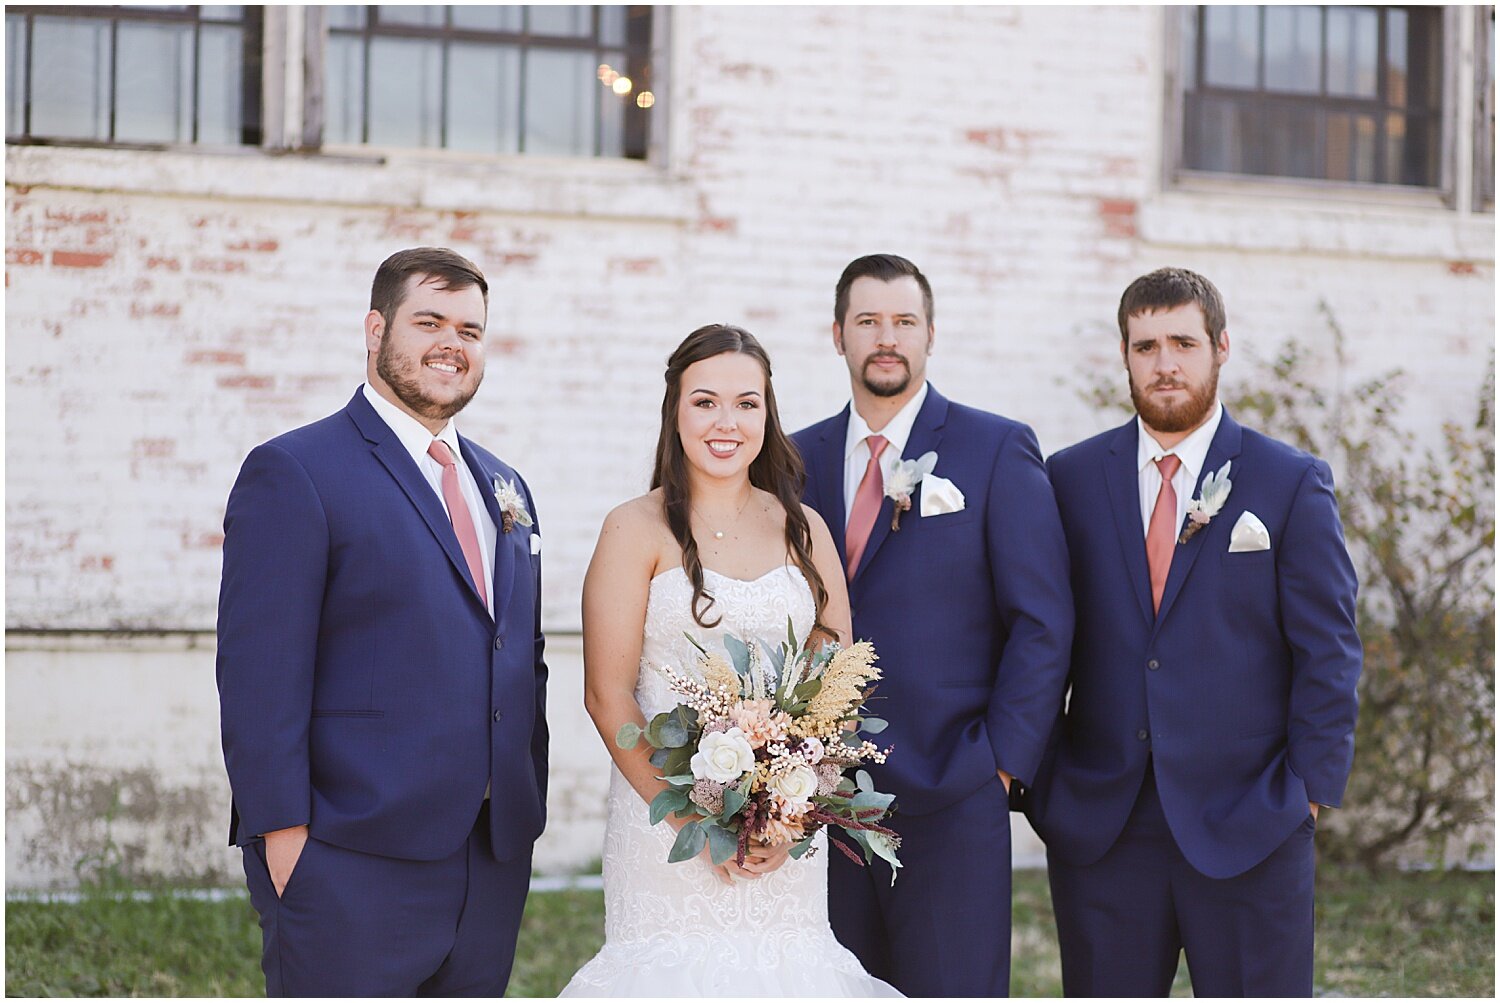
622,85
645,99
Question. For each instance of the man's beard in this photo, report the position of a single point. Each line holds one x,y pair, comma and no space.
888,390
409,391
1183,417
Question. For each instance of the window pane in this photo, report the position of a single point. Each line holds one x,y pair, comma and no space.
345,16
483,81
1187,55
1216,135
612,24
1294,48
1395,55
1353,50
221,13
343,107
406,85
71,99
480,18
220,52
613,106
417,15
154,83
568,22
560,92
15,76
1287,142
1232,46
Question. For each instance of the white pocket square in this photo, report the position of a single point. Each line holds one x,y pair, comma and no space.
536,544
1249,534
940,496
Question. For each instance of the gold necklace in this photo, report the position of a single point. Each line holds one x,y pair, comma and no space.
718,534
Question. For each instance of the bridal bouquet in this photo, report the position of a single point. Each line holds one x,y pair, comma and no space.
767,746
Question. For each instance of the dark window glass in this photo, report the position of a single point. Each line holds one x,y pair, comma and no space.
548,80
152,75
1484,109
1349,94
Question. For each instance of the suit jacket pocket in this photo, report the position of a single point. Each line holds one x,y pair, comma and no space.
1247,558
348,713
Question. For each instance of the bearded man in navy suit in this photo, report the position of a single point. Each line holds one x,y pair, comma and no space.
1212,703
380,669
960,580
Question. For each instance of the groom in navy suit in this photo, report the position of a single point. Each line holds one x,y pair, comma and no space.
1212,699
960,580
380,669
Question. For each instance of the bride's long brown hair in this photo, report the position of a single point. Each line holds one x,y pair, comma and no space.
778,469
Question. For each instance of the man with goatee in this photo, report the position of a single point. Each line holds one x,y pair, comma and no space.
1213,674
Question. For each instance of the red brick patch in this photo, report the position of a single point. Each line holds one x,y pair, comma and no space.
79,259
170,264
24,256
263,246
210,357
1118,216
247,381
1462,268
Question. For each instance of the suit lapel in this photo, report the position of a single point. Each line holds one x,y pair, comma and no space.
1122,479
1225,447
398,462
504,557
828,479
926,433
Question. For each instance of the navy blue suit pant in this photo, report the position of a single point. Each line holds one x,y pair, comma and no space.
356,924
943,929
1123,921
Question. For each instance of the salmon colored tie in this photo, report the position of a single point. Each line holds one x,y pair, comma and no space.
458,514
866,507
1161,534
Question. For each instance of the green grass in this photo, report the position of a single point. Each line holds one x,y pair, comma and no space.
1429,934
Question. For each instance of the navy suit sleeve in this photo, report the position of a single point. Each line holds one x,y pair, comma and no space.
270,602
1029,562
1316,584
539,734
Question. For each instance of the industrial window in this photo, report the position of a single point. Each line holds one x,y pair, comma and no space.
548,80
163,74
1345,94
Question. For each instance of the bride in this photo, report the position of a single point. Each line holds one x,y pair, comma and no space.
721,545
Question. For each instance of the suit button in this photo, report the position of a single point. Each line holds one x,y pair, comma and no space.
1153,665
496,716
499,643
1140,734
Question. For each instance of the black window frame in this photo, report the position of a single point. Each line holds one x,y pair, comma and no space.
640,52
251,21
1191,86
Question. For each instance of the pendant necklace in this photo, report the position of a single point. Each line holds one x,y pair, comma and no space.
719,533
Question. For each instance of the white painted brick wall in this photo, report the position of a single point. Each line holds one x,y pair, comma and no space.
167,311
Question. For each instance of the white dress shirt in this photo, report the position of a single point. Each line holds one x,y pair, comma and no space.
857,450
415,437
1192,451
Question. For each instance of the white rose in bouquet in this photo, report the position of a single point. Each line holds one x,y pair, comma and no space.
794,786
723,756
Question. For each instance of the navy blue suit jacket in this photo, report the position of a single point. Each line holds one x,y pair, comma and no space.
364,689
969,611
1241,690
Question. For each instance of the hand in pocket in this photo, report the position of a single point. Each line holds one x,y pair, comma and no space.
283,850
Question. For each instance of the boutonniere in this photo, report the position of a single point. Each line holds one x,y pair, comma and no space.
512,504
1200,510
904,480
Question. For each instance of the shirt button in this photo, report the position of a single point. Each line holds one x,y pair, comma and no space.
499,643
1153,665
1140,734
496,715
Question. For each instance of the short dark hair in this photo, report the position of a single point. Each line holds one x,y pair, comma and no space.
886,268
1167,288
451,269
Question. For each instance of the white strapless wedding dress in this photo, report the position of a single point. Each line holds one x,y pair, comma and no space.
676,929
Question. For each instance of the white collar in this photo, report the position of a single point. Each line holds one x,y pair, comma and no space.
896,431
412,433
1192,451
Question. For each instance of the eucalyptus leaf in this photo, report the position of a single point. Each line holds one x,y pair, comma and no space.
808,690
689,843
862,778
734,800
660,756
846,786
722,844
799,848
871,799
675,762
873,725
666,802
628,735
694,642
885,849
674,734
680,778
739,655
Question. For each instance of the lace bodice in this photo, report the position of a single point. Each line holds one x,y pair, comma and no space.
675,929
750,610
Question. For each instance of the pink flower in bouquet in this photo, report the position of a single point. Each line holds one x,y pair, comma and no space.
780,831
759,722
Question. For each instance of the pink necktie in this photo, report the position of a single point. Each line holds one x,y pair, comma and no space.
866,506
1161,533
458,514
